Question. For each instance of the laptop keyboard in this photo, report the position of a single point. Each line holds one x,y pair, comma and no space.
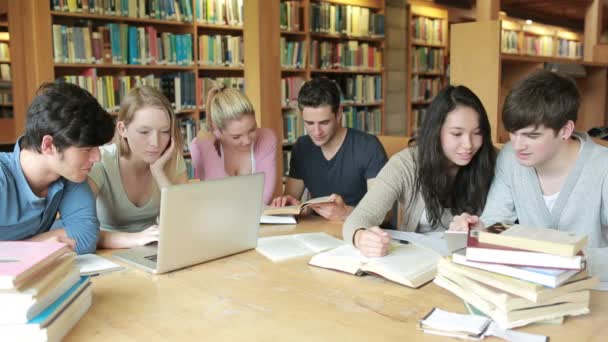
151,257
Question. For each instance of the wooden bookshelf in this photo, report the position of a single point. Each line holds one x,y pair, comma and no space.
427,52
478,62
305,34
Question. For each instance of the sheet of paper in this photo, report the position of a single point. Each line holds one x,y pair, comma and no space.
432,240
91,264
513,335
449,321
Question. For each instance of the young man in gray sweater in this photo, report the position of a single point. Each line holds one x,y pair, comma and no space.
549,175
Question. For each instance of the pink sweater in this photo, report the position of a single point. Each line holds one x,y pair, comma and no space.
209,165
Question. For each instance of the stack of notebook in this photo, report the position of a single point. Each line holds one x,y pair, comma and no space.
520,275
42,293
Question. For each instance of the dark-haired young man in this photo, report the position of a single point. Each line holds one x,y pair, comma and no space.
549,175
46,172
330,159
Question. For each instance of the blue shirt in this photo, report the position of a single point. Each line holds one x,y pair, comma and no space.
360,158
23,214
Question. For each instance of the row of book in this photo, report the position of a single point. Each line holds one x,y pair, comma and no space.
362,118
110,90
5,72
179,10
345,19
538,45
290,16
5,54
43,295
425,88
520,275
569,48
366,119
510,41
189,168
418,115
428,30
117,43
351,55
293,53
189,130
425,59
221,50
6,96
219,12
356,89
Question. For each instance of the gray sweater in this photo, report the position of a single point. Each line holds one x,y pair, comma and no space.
395,182
581,207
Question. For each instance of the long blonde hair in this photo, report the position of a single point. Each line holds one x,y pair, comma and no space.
224,104
142,97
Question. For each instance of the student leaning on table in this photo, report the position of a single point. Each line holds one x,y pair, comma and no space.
143,159
549,175
448,171
233,144
46,173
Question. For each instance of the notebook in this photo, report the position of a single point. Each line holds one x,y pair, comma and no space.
440,322
295,209
20,260
284,247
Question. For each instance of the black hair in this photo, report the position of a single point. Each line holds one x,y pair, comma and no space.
318,92
467,191
544,98
68,113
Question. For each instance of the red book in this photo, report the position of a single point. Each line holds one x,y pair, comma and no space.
488,253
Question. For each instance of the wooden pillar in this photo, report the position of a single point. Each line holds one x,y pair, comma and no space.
31,53
487,10
593,28
263,68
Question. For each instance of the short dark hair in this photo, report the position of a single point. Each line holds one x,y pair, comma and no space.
468,190
320,91
544,98
68,113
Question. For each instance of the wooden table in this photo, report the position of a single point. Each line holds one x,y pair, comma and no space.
246,297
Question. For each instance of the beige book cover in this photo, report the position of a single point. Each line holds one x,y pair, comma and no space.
543,240
295,209
406,264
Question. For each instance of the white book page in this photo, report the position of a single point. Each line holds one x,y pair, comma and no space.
91,264
279,248
345,258
319,242
278,219
405,261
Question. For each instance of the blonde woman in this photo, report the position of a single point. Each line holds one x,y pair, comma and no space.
143,159
234,145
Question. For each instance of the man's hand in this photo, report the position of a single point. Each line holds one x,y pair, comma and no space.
146,236
283,201
372,242
336,210
465,222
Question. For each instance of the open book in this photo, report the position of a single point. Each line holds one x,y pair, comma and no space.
295,209
409,265
283,247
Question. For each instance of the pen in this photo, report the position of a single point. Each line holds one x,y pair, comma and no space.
404,242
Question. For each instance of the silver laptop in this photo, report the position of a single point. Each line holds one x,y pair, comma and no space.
202,221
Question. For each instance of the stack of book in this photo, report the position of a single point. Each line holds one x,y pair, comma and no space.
520,275
42,293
